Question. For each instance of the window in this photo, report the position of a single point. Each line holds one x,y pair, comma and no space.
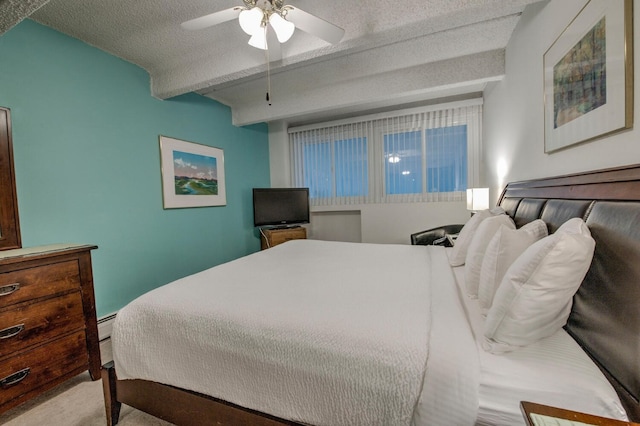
317,171
336,168
447,159
351,167
403,166
418,155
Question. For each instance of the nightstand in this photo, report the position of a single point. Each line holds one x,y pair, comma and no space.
272,237
533,412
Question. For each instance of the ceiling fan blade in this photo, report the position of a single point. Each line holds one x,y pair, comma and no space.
212,19
275,49
315,26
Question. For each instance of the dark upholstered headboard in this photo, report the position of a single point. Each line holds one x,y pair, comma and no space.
605,318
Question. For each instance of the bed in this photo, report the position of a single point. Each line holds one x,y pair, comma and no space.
314,332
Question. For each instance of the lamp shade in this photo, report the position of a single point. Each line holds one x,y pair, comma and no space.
283,28
477,199
251,20
259,39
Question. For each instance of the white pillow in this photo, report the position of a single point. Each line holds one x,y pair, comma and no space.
535,296
459,251
476,251
503,249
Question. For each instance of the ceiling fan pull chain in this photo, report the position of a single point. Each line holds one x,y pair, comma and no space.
266,54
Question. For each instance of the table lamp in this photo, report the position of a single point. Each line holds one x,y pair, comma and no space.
477,199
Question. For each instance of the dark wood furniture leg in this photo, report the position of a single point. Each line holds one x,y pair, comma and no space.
111,404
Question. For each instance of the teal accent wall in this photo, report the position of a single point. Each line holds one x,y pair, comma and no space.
87,160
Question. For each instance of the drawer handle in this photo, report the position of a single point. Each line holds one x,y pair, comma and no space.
15,378
6,290
11,331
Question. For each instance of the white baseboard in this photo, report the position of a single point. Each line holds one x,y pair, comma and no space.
105,325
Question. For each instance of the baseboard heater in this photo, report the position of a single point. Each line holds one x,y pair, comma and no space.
104,326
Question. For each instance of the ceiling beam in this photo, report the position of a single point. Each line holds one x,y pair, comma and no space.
449,77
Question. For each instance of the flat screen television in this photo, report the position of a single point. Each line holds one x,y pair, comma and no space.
280,206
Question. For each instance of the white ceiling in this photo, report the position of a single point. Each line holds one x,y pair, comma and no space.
393,52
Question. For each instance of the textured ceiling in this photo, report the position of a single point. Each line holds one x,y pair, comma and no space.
393,52
14,11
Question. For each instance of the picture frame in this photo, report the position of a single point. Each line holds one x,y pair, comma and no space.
588,76
192,174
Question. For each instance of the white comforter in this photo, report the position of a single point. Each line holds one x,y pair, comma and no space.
322,333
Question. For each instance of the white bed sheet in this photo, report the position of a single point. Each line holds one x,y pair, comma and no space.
281,332
554,371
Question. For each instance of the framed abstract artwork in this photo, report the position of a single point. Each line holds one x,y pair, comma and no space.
588,76
192,174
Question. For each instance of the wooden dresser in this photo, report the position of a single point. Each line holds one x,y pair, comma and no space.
273,237
48,326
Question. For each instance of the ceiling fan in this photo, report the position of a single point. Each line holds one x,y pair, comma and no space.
257,16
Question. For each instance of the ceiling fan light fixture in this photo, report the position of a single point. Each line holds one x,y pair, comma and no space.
283,28
259,39
251,20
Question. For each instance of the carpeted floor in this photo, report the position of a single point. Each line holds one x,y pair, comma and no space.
77,402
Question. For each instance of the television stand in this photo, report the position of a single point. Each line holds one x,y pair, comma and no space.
273,236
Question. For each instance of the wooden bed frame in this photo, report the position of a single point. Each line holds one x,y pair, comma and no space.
605,318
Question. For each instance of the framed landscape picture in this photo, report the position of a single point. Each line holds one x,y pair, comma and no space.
192,174
588,76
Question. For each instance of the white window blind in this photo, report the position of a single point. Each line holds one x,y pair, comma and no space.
428,154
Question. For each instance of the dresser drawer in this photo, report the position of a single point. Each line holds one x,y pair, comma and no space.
34,368
29,324
46,280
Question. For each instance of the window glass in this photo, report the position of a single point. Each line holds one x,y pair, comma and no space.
317,169
403,163
447,159
351,167
421,155
341,163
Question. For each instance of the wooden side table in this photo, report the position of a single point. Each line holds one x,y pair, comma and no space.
273,237
530,408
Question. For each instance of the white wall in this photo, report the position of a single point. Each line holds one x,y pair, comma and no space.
336,226
384,223
369,223
513,108
393,223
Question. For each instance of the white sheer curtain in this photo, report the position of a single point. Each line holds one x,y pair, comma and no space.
417,155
